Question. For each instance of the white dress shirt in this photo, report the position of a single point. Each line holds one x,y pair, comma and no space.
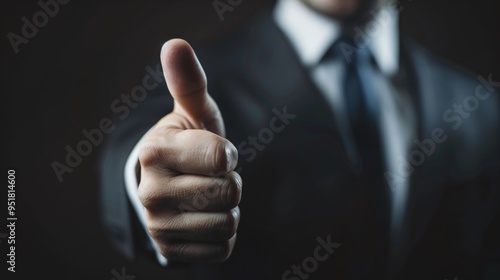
311,35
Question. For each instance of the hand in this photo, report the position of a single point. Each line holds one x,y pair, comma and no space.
183,157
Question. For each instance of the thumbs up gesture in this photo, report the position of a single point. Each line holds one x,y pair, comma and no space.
184,155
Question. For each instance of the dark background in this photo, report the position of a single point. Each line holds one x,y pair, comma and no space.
66,77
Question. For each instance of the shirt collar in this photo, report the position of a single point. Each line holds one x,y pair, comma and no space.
312,34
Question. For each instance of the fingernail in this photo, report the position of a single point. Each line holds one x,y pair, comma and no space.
232,157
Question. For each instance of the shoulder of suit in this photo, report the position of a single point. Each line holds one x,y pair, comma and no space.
462,103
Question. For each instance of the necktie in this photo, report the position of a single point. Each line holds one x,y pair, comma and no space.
360,97
362,108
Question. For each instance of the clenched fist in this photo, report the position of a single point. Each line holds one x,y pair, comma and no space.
184,155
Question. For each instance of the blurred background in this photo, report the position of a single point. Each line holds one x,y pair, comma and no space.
64,79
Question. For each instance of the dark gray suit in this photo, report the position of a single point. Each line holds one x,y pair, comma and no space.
299,187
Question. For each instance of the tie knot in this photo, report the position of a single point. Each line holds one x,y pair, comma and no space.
348,51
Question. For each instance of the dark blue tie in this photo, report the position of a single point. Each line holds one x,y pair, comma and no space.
360,96
363,111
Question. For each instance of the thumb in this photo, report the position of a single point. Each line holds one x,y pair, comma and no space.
187,84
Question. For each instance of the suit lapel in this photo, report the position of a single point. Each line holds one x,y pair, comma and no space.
427,179
282,80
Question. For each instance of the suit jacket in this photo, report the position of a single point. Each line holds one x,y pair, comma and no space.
299,189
